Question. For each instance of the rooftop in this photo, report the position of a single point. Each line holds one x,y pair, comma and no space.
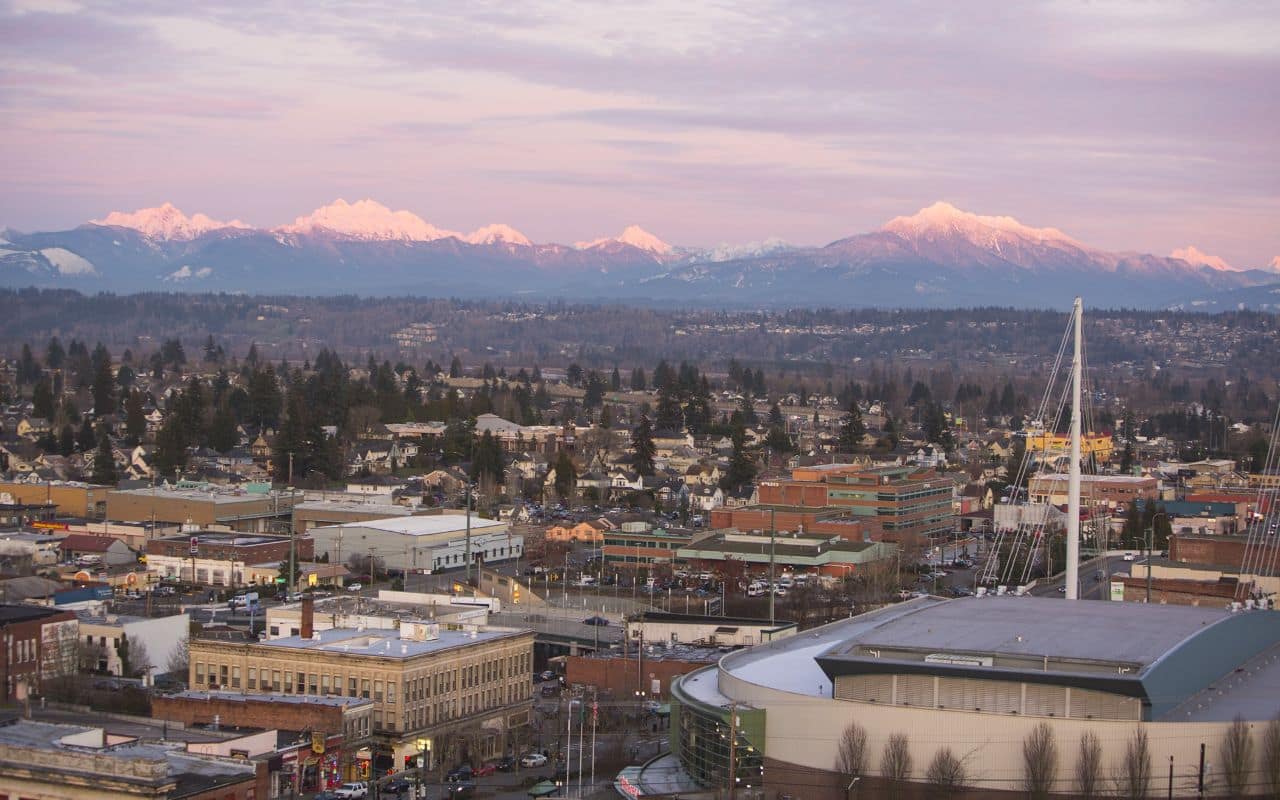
1041,627
420,526
382,643
355,507
293,699
209,495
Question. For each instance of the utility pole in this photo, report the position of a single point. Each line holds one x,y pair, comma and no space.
290,583
733,750
773,532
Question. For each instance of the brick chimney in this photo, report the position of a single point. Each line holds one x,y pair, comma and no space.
308,616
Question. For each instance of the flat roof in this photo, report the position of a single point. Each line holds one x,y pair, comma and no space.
386,643
295,699
702,619
419,526
224,537
201,495
355,507
1252,692
1036,627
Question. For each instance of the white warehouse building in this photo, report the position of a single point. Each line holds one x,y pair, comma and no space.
420,544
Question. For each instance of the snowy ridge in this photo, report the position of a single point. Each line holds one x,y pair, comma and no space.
944,219
367,219
634,236
1192,255
165,222
493,234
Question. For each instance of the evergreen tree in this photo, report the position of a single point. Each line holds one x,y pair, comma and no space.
104,386
42,399
573,375
615,381
852,429
85,439
742,468
775,417
455,368
28,368
487,462
67,440
54,355
595,389
748,410
642,446
223,436
566,475
135,419
104,461
638,382
171,448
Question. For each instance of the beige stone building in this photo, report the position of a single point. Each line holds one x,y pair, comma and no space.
465,694
237,510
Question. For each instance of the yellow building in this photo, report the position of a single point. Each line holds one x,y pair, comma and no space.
459,694
1097,444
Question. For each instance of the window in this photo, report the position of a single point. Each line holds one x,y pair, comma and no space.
275,680
391,692
253,677
313,685
377,691
199,672
351,688
235,677
364,688
301,683
222,674
324,684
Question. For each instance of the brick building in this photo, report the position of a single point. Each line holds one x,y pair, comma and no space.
347,722
38,645
1223,551
221,559
236,509
469,692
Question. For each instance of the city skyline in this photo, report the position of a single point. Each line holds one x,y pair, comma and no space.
1126,126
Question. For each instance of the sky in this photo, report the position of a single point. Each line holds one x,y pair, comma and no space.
1142,126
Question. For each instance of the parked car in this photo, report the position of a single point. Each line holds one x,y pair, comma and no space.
462,791
506,764
1130,557
598,621
652,706
547,675
550,691
533,760
352,791
483,770
355,587
462,773
396,786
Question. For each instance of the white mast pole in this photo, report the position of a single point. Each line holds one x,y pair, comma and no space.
1073,478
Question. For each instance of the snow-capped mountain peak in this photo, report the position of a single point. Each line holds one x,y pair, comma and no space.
492,234
944,220
634,236
367,219
165,222
1192,255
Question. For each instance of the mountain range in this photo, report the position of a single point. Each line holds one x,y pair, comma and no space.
940,256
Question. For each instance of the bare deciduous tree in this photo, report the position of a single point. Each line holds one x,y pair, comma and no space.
946,774
1089,766
851,752
1270,758
895,764
178,658
1039,762
1236,752
1133,775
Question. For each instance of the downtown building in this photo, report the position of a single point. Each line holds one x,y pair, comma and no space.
447,695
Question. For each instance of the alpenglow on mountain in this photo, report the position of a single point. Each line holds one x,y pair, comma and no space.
940,256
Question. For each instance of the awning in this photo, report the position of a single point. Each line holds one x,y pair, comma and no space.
543,789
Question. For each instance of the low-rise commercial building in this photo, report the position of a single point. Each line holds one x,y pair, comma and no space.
1116,491
203,505
217,558
830,556
152,642
37,645
466,693
424,543
69,498
638,545
658,629
71,762
321,513
346,724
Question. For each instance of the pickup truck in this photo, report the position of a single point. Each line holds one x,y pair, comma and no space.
355,790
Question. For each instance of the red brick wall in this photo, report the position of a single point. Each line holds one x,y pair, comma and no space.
620,675
786,493
238,713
